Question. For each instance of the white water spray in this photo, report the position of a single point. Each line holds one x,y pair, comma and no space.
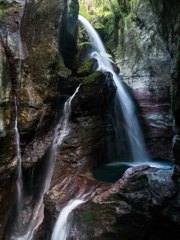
124,101
62,226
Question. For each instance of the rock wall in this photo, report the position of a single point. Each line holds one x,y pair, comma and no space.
167,19
84,149
146,62
31,69
145,201
9,32
148,54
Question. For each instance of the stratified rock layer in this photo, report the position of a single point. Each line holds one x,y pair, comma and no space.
145,63
148,55
144,204
31,69
84,148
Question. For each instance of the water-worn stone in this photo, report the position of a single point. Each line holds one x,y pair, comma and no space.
145,64
144,204
148,56
31,68
84,148
8,74
132,208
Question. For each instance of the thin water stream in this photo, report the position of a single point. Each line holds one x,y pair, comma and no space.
20,56
62,226
19,159
37,213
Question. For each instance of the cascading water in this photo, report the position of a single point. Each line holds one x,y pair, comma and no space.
62,226
61,131
17,135
124,102
19,159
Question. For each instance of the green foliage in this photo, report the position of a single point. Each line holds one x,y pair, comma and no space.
2,13
107,15
133,2
4,4
101,14
106,19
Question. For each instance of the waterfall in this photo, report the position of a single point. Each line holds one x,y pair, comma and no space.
132,130
61,131
62,226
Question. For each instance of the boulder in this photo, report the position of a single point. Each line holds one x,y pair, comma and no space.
131,208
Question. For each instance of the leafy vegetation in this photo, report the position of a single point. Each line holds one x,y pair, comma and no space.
4,4
105,16
2,13
100,13
104,12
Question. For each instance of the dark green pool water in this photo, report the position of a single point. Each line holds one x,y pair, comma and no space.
113,171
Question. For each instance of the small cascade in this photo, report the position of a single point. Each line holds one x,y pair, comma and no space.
19,159
17,135
62,128
125,109
62,226
37,211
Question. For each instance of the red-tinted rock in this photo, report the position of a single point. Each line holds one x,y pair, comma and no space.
132,208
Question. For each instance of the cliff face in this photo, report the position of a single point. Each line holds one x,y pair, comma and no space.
32,70
84,149
148,56
35,56
168,17
145,201
145,63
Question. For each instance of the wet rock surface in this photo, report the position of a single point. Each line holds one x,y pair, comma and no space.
145,62
138,206
132,208
85,147
8,62
144,204
33,70
148,56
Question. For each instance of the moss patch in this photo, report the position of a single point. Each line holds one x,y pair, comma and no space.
91,78
87,67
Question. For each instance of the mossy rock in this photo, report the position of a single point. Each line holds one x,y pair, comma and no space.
87,68
91,78
84,49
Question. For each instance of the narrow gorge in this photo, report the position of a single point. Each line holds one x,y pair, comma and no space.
89,120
